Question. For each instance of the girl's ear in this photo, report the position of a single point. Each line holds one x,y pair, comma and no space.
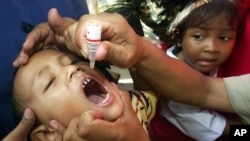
174,31
178,44
43,133
174,34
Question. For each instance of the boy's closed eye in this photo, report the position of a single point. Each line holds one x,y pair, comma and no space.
49,83
73,61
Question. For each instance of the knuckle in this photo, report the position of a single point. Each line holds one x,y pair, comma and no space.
82,131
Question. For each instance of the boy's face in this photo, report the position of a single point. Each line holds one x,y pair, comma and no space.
57,86
207,46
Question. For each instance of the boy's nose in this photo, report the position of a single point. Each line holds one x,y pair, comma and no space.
71,71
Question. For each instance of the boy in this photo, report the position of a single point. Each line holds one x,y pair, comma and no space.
62,87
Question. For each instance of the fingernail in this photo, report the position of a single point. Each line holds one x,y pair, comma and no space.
28,114
53,124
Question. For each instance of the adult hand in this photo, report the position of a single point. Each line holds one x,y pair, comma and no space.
47,34
90,126
120,44
20,133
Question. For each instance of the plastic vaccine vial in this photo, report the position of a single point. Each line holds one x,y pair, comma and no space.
94,31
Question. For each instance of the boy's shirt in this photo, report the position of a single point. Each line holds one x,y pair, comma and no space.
144,104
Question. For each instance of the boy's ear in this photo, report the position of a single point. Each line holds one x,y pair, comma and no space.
43,133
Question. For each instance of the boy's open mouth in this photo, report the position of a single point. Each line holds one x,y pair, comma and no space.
95,92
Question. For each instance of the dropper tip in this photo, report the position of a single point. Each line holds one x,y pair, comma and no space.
92,64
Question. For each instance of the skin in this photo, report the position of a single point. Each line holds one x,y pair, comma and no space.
127,49
54,88
22,129
59,81
206,47
41,36
88,122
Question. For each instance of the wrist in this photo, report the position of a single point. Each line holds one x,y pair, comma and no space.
148,52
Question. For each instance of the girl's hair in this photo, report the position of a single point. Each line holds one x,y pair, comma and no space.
202,12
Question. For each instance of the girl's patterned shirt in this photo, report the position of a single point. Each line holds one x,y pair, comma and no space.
144,104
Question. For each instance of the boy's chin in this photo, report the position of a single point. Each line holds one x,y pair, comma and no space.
113,116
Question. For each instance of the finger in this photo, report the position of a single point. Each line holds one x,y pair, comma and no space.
24,126
86,118
57,23
77,130
69,36
22,58
91,124
37,35
27,122
34,41
113,53
108,32
129,118
108,51
70,134
90,116
102,51
57,126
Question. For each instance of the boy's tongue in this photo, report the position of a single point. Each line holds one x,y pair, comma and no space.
96,99
95,92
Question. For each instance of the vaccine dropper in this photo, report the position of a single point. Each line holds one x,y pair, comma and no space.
94,31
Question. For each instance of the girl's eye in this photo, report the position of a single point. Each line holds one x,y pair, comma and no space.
198,37
225,38
49,84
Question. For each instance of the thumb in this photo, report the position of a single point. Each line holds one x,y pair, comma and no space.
118,55
58,126
23,128
58,23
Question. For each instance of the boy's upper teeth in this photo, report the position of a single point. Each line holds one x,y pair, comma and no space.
86,82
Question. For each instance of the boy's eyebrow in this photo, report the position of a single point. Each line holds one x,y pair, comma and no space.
36,78
41,71
46,66
43,68
61,56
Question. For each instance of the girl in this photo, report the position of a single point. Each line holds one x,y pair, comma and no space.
203,35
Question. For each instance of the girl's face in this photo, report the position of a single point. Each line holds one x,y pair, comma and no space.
207,46
58,86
